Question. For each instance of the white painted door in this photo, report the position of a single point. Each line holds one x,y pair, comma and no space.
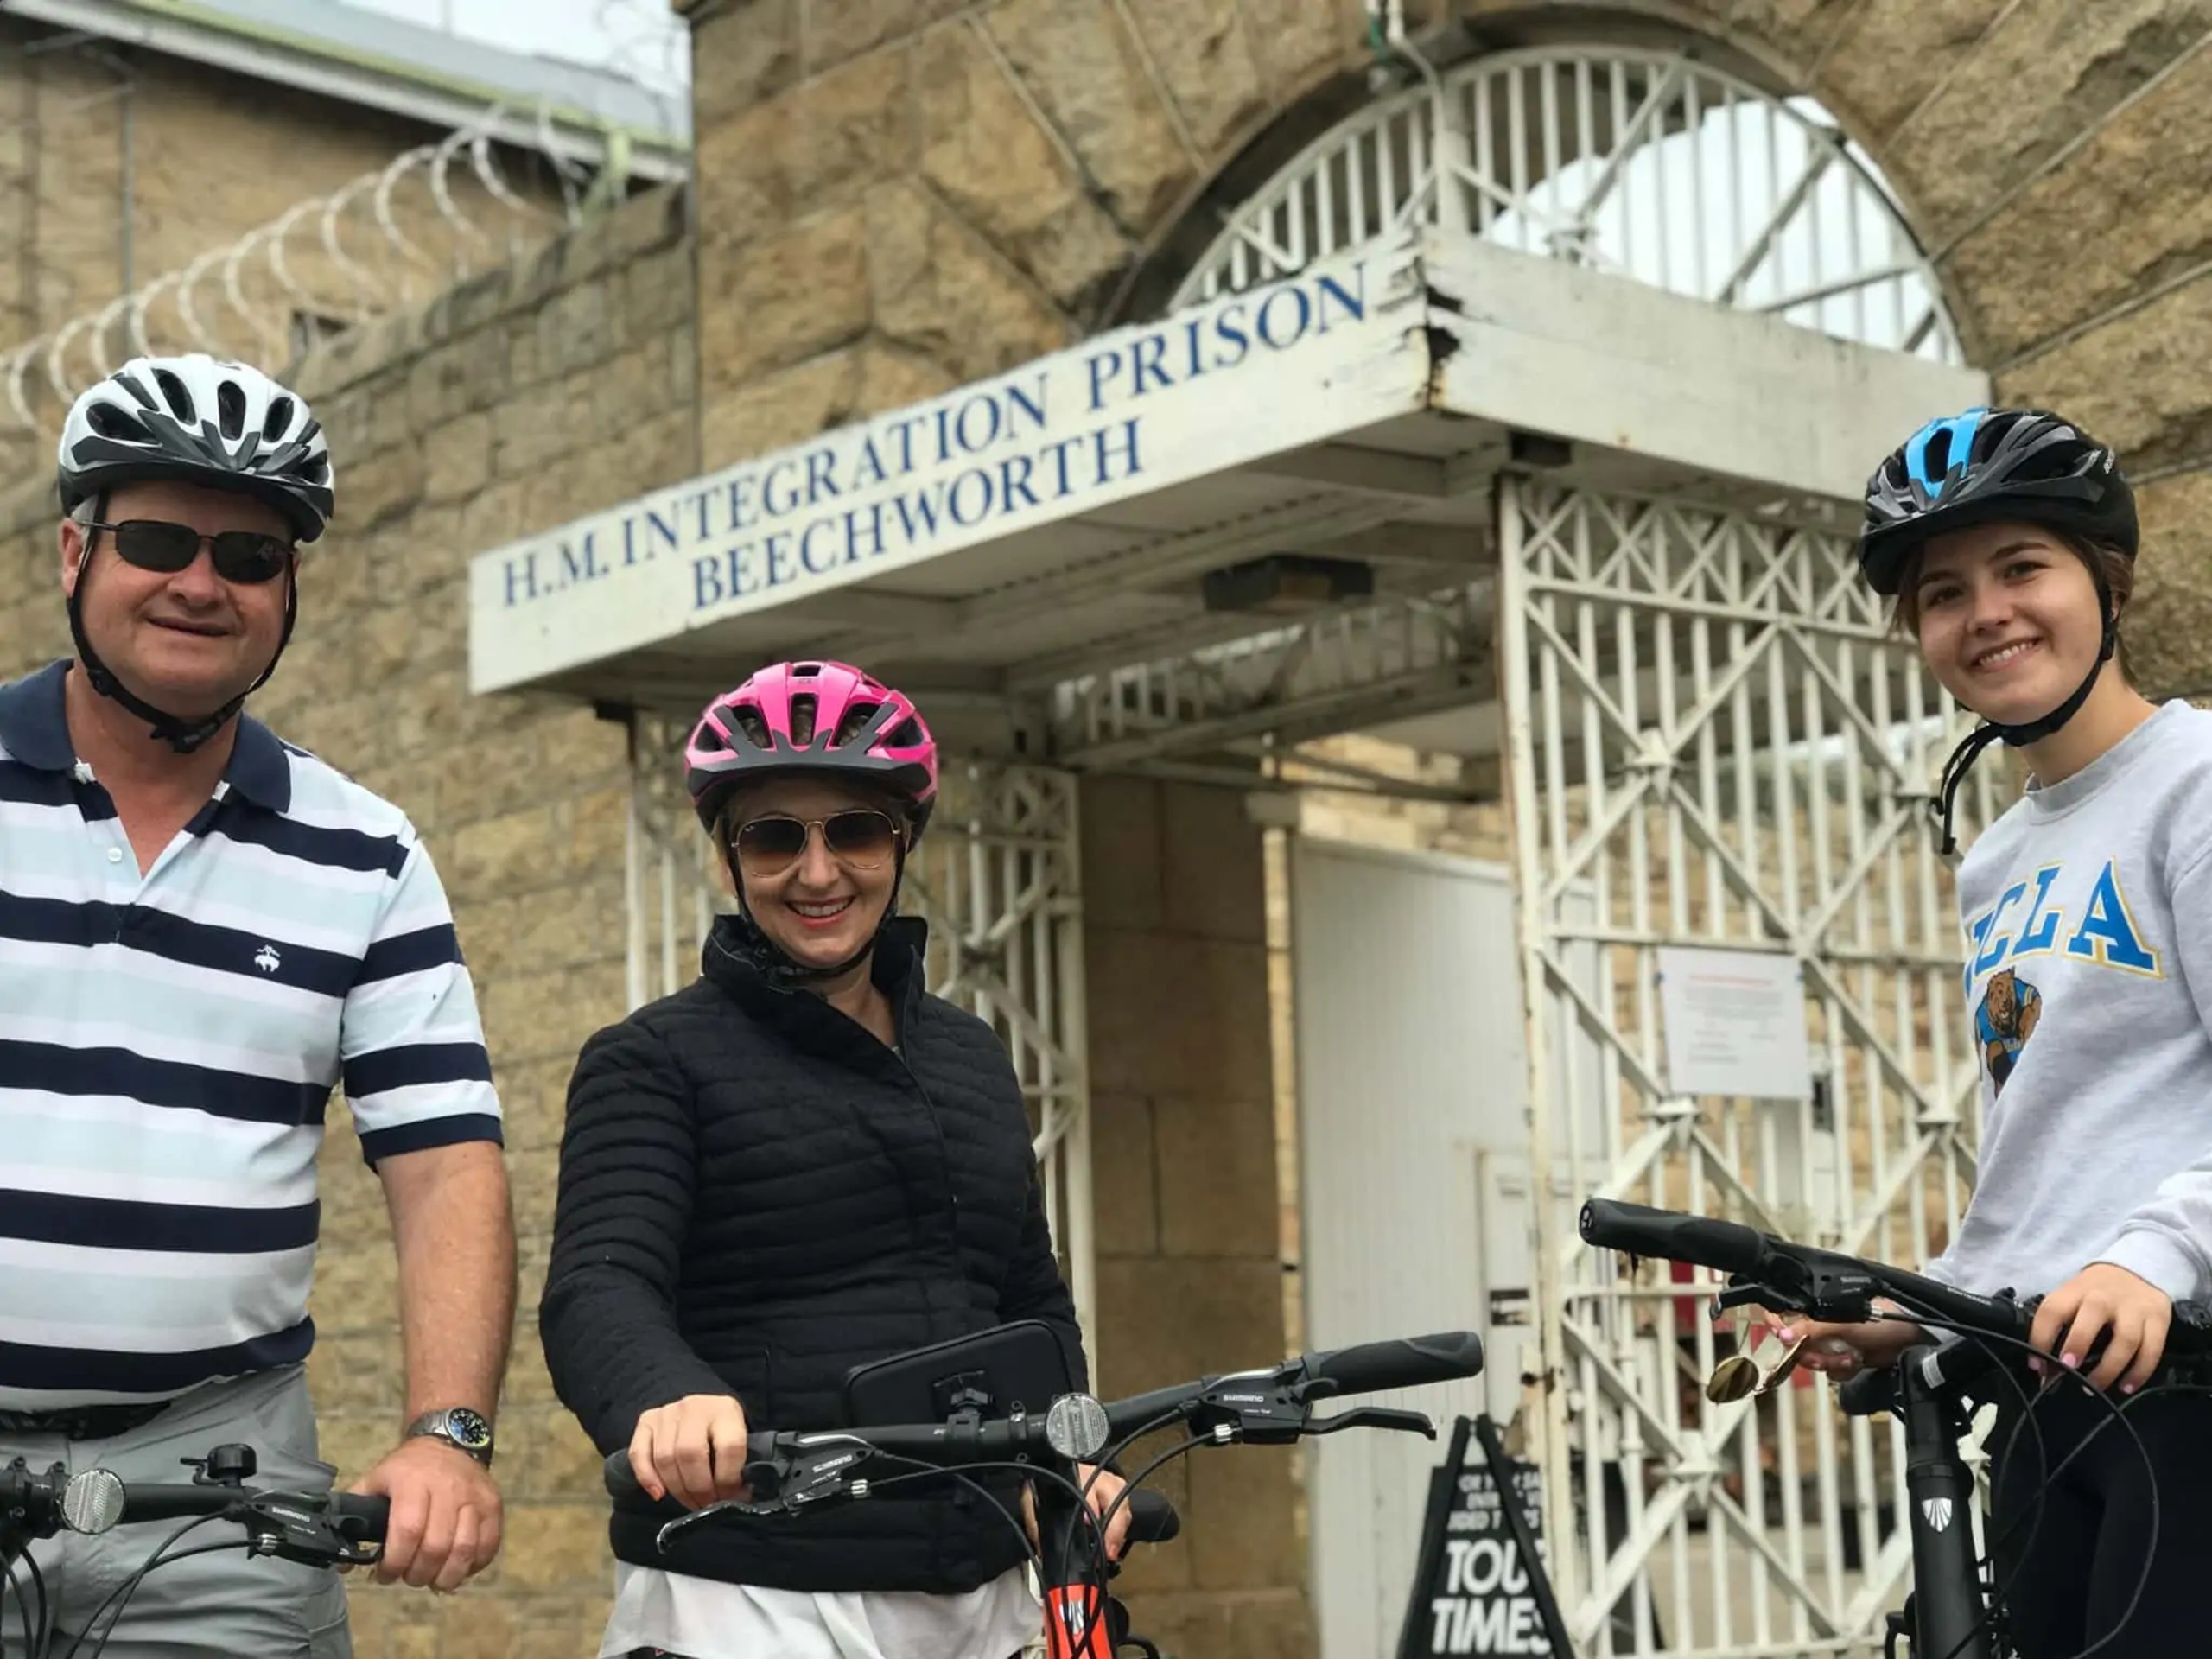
1413,1180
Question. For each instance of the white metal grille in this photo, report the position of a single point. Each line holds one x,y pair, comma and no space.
1646,164
998,879
1714,741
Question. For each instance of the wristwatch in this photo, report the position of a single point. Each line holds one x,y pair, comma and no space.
457,1425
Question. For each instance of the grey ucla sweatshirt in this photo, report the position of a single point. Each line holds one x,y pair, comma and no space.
2087,910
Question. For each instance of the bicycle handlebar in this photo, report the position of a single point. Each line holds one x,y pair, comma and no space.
795,1468
1831,1286
325,1528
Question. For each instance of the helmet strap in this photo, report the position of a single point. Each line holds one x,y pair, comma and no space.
185,736
2032,731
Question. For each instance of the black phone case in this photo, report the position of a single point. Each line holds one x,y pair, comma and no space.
991,1372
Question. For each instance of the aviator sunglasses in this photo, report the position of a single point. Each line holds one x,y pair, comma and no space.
860,838
241,555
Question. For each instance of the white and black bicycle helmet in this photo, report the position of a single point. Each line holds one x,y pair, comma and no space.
199,420
203,421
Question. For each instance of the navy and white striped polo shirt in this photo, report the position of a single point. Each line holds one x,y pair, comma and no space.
168,1043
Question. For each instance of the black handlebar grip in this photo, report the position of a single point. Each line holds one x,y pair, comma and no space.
1638,1230
365,1518
1868,1393
1406,1363
1152,1519
621,1480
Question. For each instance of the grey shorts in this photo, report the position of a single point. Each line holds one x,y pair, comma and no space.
225,1602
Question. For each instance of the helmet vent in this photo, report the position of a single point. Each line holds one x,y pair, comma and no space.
230,410
178,396
117,424
803,709
279,418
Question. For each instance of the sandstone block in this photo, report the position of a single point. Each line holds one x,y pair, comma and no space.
1166,1319
558,1547
1123,883
1301,43
2133,382
2037,78
781,408
1243,1530
834,30
2132,206
1088,76
579,328
986,155
1124,1176
2168,634
1211,63
740,55
458,458
1170,1014
941,291
1210,863
787,299
1217,1174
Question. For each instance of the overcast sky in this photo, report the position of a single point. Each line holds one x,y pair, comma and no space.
640,38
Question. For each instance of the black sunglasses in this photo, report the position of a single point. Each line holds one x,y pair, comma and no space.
241,555
861,838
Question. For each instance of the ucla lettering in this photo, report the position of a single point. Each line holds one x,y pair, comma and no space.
2097,925
2107,935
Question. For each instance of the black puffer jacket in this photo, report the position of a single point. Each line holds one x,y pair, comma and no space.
756,1196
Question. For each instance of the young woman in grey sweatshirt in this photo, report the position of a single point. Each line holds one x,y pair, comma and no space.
2007,538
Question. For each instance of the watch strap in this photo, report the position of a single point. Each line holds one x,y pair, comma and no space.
439,1425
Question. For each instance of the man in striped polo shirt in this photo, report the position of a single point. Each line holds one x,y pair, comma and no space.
202,932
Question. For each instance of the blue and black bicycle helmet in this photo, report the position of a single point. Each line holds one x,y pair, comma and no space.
1986,466
1992,466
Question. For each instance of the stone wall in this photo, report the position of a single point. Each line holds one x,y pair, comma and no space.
517,401
117,167
1184,1154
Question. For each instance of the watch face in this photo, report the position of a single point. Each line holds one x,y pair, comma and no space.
468,1428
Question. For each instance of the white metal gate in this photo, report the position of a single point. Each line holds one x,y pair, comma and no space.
1711,733
999,880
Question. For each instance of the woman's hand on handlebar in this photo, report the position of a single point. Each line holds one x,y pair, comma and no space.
1845,1350
692,1451
2105,1297
1101,1487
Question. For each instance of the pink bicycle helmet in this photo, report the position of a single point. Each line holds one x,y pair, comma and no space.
818,716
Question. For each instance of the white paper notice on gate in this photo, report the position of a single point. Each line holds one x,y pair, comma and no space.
1735,1023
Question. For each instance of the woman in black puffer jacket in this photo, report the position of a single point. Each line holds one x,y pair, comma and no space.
801,1162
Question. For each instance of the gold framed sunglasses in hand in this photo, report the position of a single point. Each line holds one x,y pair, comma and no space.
1741,1377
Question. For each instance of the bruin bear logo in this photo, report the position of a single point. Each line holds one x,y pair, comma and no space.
2011,1007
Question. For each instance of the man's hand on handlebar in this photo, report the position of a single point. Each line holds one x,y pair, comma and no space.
2105,1297
445,1514
692,1451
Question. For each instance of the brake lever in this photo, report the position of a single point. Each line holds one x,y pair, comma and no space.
1766,1296
1410,1422
791,1482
